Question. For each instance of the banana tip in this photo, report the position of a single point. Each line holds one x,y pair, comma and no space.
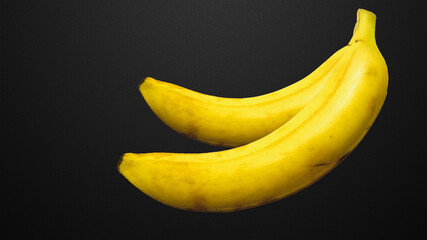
142,81
120,162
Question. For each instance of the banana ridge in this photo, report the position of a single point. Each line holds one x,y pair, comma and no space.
248,101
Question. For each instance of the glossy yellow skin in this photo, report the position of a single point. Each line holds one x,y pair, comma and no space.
289,159
231,122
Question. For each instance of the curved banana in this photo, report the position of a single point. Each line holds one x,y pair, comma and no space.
231,122
285,161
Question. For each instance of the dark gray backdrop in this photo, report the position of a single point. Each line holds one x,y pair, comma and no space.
70,108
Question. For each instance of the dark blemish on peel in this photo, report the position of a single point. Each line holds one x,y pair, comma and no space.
199,203
142,81
371,71
321,164
343,157
119,162
373,106
192,132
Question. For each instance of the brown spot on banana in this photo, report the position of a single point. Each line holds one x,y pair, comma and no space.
199,203
371,72
119,162
321,164
341,159
191,131
141,82
373,106
324,164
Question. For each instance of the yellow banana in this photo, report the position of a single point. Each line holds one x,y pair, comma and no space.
285,161
231,122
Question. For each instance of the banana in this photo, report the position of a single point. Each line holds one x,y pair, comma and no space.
289,159
231,122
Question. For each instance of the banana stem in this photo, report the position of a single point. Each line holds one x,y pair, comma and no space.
364,29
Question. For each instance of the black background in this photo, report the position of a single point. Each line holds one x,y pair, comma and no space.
70,108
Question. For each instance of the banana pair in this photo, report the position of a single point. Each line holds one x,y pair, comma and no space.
283,141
